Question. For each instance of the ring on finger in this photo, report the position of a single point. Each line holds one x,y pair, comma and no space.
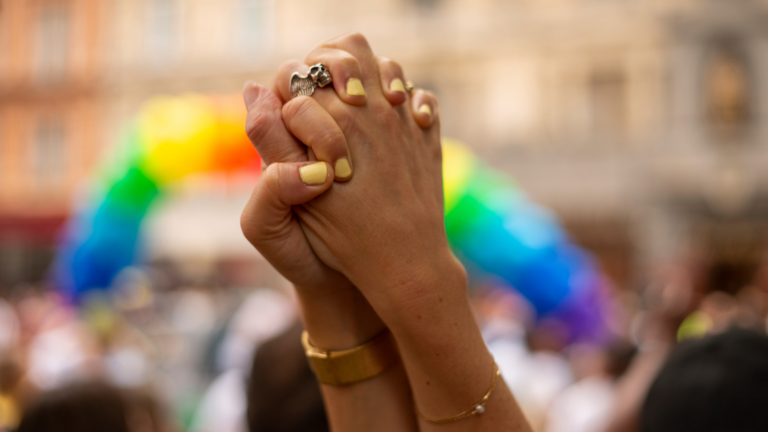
318,76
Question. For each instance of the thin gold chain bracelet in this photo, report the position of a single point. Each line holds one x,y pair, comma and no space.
477,408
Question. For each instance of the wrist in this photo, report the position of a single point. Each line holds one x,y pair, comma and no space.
416,289
338,319
438,338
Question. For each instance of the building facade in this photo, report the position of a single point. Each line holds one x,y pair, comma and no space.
49,123
639,122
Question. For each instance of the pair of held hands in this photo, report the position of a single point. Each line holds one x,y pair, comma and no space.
352,195
350,209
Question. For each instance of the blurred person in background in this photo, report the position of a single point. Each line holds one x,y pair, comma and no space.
712,331
586,405
93,406
10,394
714,384
668,299
64,360
263,315
283,394
10,367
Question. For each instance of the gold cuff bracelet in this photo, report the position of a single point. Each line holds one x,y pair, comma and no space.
338,368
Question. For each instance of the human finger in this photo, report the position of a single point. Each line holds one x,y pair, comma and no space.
265,128
356,45
282,83
392,81
267,220
345,71
424,107
310,123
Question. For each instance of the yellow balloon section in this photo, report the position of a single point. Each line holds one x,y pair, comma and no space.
181,136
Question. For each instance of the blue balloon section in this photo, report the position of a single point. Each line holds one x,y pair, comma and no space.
500,234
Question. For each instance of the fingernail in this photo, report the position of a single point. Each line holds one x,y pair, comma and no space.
314,174
396,85
249,93
355,87
342,168
424,108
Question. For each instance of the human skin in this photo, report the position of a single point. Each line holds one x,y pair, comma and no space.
384,231
334,312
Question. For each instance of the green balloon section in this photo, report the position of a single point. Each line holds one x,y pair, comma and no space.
502,237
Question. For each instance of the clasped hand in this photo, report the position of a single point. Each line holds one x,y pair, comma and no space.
379,226
350,209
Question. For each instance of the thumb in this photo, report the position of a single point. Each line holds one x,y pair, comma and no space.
266,129
267,219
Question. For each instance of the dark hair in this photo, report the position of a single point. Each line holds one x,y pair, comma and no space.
718,383
283,394
82,407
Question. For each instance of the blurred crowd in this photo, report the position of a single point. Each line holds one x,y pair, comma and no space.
639,123
173,355
168,348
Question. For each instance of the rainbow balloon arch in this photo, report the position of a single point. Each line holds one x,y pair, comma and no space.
493,227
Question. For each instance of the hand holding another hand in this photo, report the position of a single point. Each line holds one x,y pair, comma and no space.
373,243
384,227
388,215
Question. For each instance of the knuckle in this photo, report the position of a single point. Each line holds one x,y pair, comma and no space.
250,220
357,39
296,109
391,120
385,114
379,106
315,55
419,97
252,228
346,119
288,66
349,63
257,124
246,226
329,137
394,67
271,178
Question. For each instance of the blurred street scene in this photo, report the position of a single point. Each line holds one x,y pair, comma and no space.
642,125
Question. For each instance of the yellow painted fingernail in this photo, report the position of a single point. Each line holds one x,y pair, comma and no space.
355,87
314,174
425,109
342,168
396,85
